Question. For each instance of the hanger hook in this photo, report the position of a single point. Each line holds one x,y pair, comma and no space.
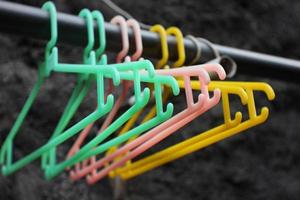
50,7
138,39
97,15
119,20
216,68
228,63
164,44
198,46
180,45
87,16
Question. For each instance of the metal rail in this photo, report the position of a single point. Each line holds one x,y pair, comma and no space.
33,22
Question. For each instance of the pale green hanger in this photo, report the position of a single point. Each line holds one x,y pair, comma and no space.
84,82
51,58
51,64
97,15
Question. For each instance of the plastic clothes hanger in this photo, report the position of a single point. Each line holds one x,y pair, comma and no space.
228,63
207,138
162,62
44,71
83,84
203,102
126,84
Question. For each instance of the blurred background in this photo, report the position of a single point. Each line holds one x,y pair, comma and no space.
260,163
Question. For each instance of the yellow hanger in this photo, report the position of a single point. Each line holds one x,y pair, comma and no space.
229,128
164,45
180,45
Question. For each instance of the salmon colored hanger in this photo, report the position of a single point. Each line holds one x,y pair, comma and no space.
126,84
207,138
160,63
203,101
181,59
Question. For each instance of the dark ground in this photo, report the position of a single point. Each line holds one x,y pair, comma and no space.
261,163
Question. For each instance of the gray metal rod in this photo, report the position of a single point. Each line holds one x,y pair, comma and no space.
33,22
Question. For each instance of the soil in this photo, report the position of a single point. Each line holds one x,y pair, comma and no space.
260,163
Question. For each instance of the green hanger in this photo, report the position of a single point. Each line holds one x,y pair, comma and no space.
84,82
7,145
51,58
51,64
98,16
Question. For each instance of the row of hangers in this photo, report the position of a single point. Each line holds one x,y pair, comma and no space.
119,150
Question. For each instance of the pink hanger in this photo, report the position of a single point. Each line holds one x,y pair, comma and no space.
126,86
203,103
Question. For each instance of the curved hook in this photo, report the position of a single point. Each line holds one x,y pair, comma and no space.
97,15
50,7
180,45
164,44
87,16
228,121
198,48
112,71
267,89
124,33
228,63
138,38
172,82
204,80
217,68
